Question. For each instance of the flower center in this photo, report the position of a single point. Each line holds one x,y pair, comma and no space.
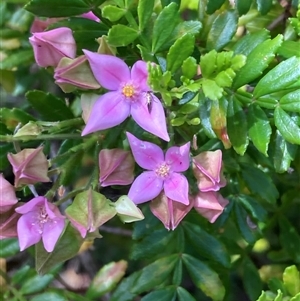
43,215
128,90
163,170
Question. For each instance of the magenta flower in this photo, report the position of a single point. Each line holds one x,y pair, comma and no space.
51,46
129,94
40,220
163,172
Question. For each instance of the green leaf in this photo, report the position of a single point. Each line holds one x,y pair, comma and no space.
204,277
257,61
289,49
206,245
259,183
57,8
189,67
287,126
213,5
264,6
284,153
268,102
259,128
251,279
145,10
177,275
283,76
291,280
67,247
296,298
184,295
164,26
222,30
36,284
164,294
211,89
243,6
237,126
291,101
9,247
49,296
289,238
48,106
253,207
17,59
179,51
12,117
113,13
121,35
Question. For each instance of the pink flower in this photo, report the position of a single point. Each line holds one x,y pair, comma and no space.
170,213
163,172
7,195
116,167
207,170
209,204
51,46
29,166
40,220
129,95
90,15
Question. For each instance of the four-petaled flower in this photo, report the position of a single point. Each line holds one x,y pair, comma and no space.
129,95
40,220
163,172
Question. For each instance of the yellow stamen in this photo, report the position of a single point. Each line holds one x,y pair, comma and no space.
128,90
163,170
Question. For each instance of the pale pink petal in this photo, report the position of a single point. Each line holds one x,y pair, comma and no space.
146,187
154,120
90,15
31,205
29,231
51,233
176,188
109,70
7,195
178,157
146,154
53,211
109,110
139,75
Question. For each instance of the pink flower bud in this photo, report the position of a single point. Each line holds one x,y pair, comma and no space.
127,211
51,46
29,166
209,204
207,170
71,74
39,25
90,15
116,167
8,223
7,195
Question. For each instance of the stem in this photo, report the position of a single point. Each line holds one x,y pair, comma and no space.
33,191
118,231
11,138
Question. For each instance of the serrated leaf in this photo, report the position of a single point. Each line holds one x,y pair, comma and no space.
264,6
164,26
289,49
57,8
291,101
179,51
164,294
121,35
184,295
283,76
291,280
189,67
113,13
259,183
257,61
211,89
145,10
204,277
222,30
48,106
284,153
237,126
259,128
288,128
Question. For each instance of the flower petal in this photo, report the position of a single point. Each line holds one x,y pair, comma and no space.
139,75
31,205
109,70
178,157
146,187
146,154
51,233
109,110
154,120
176,188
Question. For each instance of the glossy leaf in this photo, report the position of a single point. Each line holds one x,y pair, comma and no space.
48,106
207,245
179,51
257,61
256,210
291,280
288,128
204,277
291,101
222,30
36,284
164,26
259,128
184,295
121,35
283,76
164,294
57,8
237,126
9,247
243,6
289,49
213,5
189,67
49,296
264,6
145,9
